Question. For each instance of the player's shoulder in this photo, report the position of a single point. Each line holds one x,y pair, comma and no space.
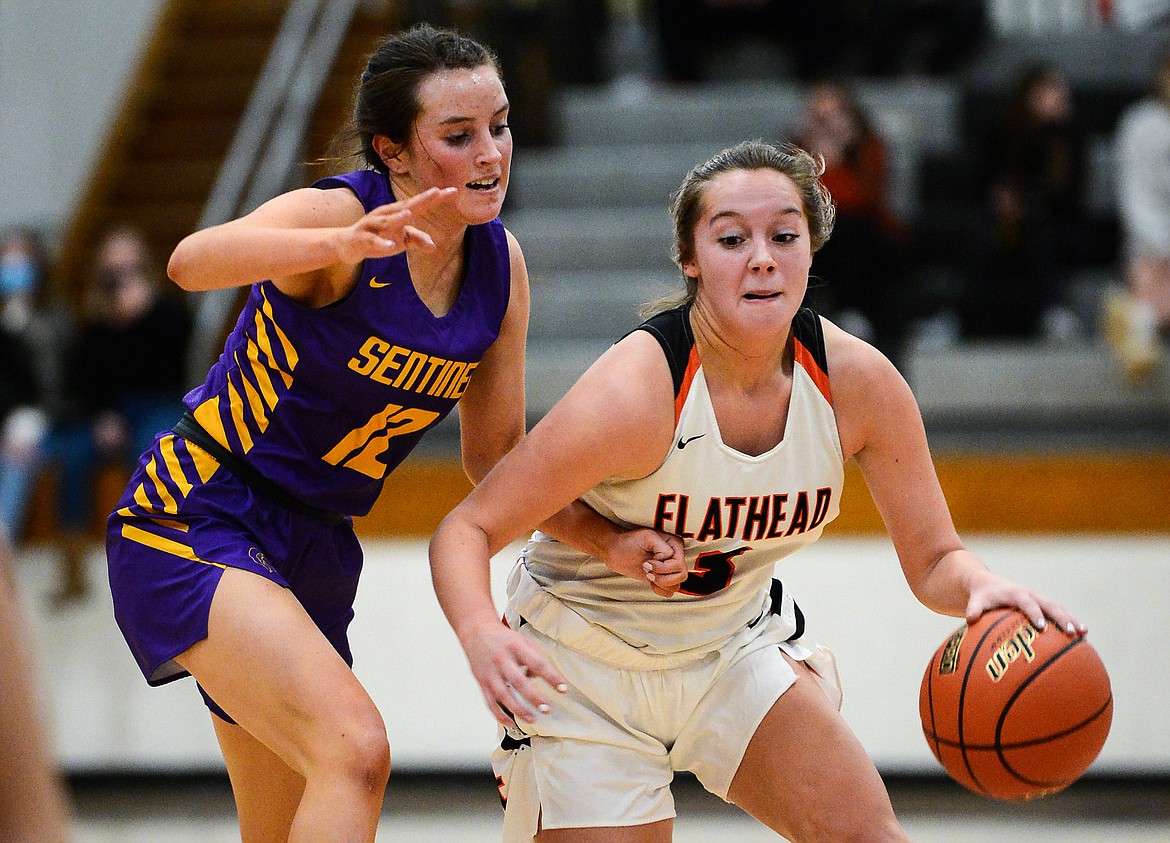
329,206
851,359
865,383
514,250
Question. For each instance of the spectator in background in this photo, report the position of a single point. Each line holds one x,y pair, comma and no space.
864,270
1134,317
1035,167
31,337
124,378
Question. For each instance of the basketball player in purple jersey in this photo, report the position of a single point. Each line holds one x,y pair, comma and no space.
378,300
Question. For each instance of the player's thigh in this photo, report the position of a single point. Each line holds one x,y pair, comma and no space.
267,791
267,664
806,775
658,832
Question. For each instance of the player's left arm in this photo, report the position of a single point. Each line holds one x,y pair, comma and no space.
881,425
492,410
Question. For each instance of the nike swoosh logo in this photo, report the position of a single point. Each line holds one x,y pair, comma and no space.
376,284
682,443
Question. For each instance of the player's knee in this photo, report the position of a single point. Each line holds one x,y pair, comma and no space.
356,750
373,760
367,758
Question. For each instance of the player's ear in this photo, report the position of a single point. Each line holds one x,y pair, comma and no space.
390,153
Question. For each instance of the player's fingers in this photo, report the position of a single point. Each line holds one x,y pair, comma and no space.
524,697
521,674
667,547
663,592
386,217
668,579
540,668
428,197
666,568
1030,606
1063,618
497,710
418,237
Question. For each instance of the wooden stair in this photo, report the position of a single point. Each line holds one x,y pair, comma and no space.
164,149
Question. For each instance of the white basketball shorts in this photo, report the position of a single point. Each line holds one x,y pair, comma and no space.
607,753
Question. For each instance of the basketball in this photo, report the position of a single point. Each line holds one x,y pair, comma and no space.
1012,712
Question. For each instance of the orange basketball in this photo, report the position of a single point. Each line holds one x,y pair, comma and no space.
1013,712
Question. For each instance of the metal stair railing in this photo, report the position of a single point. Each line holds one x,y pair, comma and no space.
265,151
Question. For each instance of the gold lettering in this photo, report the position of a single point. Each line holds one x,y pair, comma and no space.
460,386
372,349
390,361
950,654
410,370
1019,643
451,372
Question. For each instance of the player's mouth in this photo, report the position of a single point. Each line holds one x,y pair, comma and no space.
484,184
761,296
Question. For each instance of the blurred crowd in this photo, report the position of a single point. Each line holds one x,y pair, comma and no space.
85,383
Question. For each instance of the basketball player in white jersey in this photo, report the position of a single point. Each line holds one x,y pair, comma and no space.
724,421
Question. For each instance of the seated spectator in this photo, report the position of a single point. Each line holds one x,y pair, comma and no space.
31,336
124,377
1135,316
1037,227
862,275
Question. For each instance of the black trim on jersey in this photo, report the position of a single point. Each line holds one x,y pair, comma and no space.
807,327
188,428
509,743
778,596
672,329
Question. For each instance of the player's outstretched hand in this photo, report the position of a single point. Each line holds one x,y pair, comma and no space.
993,591
386,230
650,555
511,672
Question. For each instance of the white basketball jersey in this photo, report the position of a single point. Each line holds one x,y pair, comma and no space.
737,514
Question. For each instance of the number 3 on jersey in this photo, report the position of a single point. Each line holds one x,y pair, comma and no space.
713,571
362,446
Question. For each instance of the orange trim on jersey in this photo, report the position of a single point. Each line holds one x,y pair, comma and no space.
809,364
685,387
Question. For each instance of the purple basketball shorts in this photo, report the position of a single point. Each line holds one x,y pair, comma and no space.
182,520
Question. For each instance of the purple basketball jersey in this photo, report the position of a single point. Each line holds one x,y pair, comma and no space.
325,402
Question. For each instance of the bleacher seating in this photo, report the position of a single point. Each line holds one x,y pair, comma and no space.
592,217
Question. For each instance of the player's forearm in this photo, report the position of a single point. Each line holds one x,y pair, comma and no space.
234,255
579,526
946,584
460,571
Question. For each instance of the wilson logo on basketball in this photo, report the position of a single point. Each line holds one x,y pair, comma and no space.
950,653
1019,644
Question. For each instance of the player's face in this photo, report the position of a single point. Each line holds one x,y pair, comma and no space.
461,140
751,252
